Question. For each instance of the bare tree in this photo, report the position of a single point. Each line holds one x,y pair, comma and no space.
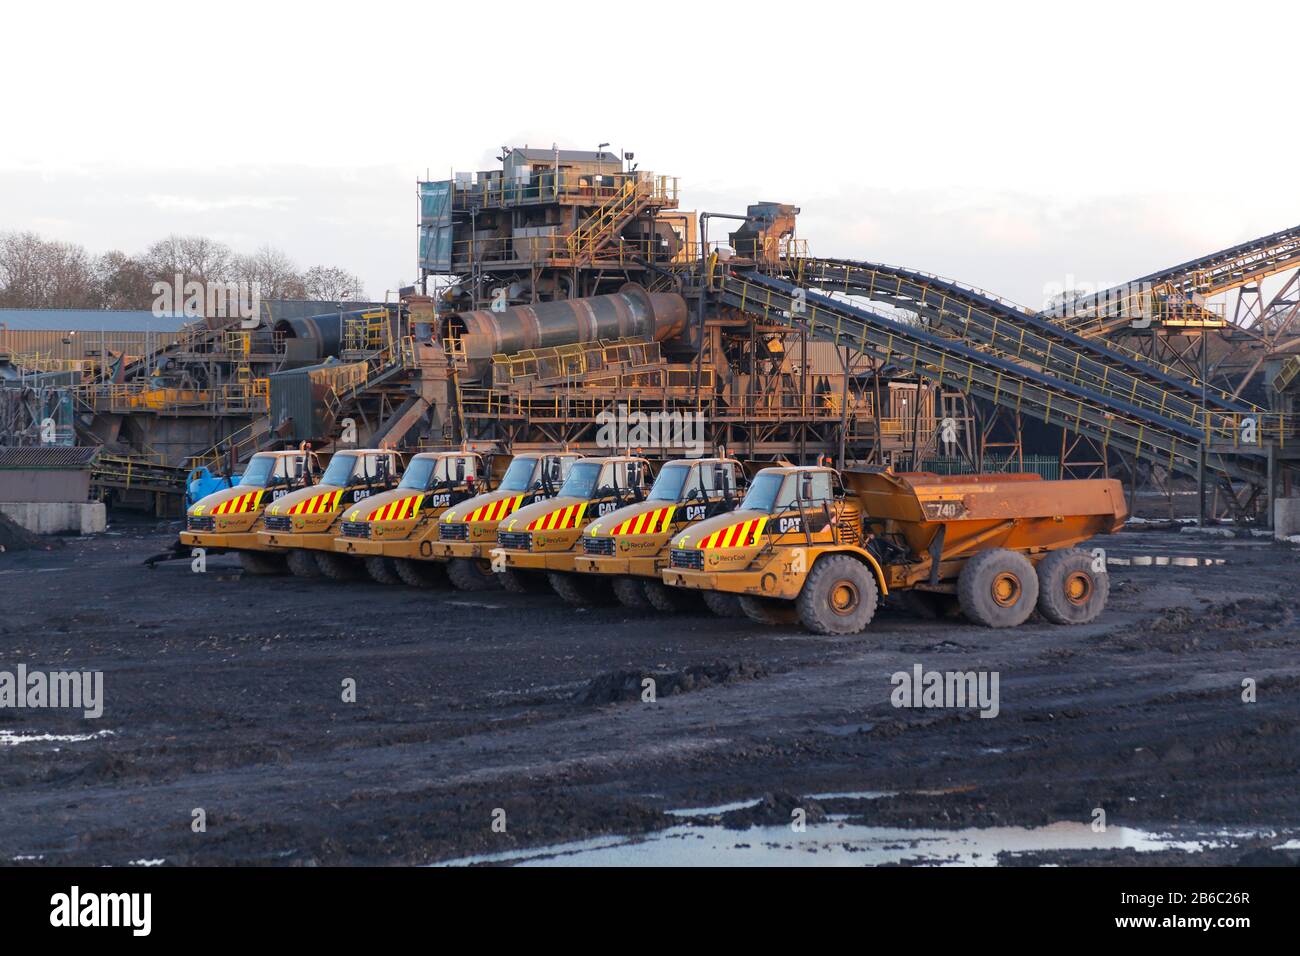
332,284
123,281
39,274
195,258
274,271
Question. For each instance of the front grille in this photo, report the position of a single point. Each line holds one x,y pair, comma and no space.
200,524
688,559
454,532
601,546
279,523
515,540
356,529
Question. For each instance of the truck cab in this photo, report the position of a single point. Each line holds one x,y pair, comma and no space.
230,519
304,523
539,540
396,526
632,543
467,531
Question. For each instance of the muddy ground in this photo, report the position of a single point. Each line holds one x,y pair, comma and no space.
224,692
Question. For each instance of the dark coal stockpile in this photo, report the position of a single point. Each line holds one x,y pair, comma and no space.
313,723
14,537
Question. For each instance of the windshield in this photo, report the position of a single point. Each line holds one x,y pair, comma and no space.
339,471
582,480
419,475
763,492
668,486
519,475
258,472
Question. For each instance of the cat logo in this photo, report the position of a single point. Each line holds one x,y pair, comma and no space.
696,512
786,525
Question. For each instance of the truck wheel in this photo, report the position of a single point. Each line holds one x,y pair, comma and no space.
256,562
839,596
581,590
998,588
472,574
769,610
1069,590
382,569
630,593
302,563
670,600
421,574
723,604
523,582
336,567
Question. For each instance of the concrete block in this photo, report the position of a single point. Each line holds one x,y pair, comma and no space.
57,517
1286,518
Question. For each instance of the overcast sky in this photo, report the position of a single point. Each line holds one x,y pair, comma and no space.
1008,145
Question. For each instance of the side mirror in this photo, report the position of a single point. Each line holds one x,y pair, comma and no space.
805,487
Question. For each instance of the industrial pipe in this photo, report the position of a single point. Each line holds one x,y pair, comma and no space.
632,311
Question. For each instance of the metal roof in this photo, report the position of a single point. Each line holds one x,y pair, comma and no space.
143,320
60,457
89,320
566,155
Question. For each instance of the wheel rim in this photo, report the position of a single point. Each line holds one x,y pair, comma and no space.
1078,588
844,597
1006,589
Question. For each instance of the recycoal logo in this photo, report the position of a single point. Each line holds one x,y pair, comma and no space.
76,909
956,689
78,690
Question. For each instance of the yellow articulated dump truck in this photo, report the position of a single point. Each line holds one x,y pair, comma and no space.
804,546
467,532
630,546
538,543
230,519
303,524
394,532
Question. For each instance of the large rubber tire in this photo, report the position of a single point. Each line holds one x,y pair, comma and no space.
582,590
1069,590
998,588
839,596
769,610
421,574
723,604
260,562
302,563
630,593
472,574
338,567
671,600
523,582
382,570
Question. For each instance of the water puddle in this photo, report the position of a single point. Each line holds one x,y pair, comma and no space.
10,739
838,843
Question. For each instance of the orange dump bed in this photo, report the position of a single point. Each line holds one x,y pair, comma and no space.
1017,511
